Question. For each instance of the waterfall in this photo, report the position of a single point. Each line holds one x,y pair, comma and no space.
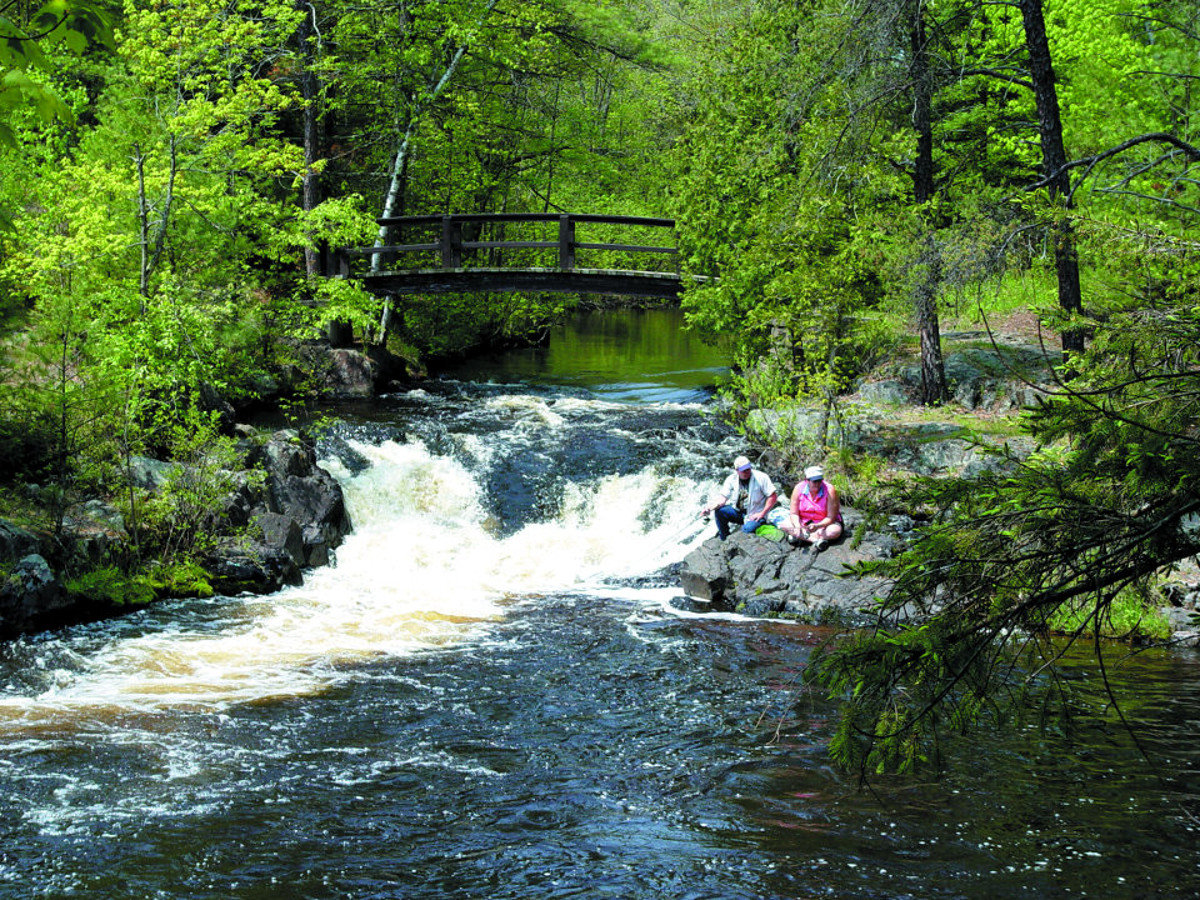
427,566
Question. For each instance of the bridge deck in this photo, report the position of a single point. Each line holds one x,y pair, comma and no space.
582,281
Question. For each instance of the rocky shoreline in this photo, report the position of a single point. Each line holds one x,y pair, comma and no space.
758,576
293,518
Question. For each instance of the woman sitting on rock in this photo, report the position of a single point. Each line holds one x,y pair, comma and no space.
816,511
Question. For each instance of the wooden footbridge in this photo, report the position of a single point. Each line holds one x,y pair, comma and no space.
500,252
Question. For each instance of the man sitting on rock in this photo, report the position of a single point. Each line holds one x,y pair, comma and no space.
745,499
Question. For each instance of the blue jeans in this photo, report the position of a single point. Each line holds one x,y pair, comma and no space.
730,515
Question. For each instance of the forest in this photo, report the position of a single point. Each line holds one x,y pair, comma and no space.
848,173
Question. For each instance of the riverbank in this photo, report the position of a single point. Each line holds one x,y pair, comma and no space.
285,514
993,376
762,576
881,430
281,517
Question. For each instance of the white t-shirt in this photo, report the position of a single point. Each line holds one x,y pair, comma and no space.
751,496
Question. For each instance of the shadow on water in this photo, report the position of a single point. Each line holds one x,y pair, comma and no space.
624,356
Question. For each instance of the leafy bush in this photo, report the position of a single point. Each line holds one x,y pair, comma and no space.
182,520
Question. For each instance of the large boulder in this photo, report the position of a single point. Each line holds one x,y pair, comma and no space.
29,593
351,375
758,576
299,511
256,569
1000,375
16,543
299,489
93,535
337,373
150,474
283,533
300,514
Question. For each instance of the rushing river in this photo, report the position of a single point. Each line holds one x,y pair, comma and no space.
498,693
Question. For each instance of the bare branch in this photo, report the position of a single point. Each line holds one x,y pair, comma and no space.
1001,75
1181,75
1191,150
1141,196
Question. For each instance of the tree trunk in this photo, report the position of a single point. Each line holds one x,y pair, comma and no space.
933,369
309,90
401,162
933,366
1054,162
143,227
149,263
435,90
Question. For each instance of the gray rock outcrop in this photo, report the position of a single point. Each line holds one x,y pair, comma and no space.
16,542
300,514
998,378
30,593
758,576
925,448
294,517
335,373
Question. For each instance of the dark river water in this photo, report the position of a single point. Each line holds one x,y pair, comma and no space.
498,692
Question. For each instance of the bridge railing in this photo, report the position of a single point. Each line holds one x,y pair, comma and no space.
479,240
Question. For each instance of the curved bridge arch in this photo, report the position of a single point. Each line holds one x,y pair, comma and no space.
476,252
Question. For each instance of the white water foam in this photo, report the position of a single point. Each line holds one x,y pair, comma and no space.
423,569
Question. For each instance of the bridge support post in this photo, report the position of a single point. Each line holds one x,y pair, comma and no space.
451,243
566,243
335,263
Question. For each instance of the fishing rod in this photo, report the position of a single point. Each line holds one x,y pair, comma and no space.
688,529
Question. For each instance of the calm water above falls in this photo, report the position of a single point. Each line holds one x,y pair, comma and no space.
626,355
496,695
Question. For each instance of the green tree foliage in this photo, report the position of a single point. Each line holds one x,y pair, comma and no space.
160,239
28,39
785,198
1108,505
828,161
179,523
791,182
155,254
494,106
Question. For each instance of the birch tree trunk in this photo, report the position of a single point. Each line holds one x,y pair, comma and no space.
401,161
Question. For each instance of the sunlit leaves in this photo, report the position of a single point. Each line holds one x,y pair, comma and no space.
166,236
25,66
